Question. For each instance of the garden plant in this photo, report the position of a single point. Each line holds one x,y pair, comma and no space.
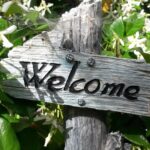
27,125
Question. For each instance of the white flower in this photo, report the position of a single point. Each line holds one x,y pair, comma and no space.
43,7
147,25
3,38
135,42
139,56
142,13
129,6
25,5
6,6
47,139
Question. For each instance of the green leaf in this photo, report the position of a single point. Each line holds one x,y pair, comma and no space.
3,75
18,42
3,24
135,134
8,139
4,97
118,27
147,133
20,33
107,32
10,118
32,16
146,56
14,9
3,52
137,139
42,27
133,24
148,43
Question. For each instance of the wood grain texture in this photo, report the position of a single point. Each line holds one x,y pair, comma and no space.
86,130
107,70
80,26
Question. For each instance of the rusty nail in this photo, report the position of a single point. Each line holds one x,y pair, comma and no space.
81,102
91,62
69,58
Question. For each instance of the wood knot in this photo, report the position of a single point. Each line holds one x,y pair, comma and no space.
68,44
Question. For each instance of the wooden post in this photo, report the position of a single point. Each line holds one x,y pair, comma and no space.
67,55
85,128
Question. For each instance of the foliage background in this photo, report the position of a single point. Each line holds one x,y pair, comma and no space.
26,125
126,34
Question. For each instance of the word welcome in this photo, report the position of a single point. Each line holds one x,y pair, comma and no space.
54,82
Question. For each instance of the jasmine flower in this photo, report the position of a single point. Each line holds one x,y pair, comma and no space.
6,43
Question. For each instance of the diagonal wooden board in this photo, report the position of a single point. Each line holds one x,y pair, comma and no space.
106,70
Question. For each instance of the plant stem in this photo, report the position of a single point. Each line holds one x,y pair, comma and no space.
117,50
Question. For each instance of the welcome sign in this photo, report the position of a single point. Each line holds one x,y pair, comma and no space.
66,82
76,79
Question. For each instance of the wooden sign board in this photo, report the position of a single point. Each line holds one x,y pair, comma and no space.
40,72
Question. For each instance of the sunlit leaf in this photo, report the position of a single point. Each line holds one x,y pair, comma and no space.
3,24
137,139
8,139
134,24
118,27
14,9
32,16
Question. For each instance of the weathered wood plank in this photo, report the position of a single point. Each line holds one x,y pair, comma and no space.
106,70
85,128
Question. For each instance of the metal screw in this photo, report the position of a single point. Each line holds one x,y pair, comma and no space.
81,102
69,58
91,62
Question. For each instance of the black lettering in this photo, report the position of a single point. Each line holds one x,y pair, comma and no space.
71,75
74,84
88,84
115,88
25,75
59,79
54,66
35,77
131,92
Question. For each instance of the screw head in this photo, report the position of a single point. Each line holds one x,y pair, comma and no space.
69,58
81,102
91,62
